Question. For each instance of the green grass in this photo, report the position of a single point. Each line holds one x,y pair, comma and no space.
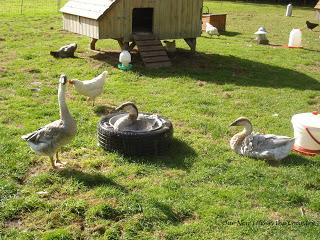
200,189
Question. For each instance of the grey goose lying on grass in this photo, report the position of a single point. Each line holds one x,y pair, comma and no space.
267,147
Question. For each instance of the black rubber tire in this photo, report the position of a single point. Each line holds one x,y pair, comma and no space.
155,142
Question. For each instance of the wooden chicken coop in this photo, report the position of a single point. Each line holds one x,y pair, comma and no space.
141,23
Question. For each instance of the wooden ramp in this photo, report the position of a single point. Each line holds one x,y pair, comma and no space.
152,53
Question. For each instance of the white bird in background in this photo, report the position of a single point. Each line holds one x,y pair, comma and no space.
268,147
65,51
50,138
90,88
211,30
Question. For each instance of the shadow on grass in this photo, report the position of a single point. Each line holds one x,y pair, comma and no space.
103,110
174,218
222,33
299,160
220,70
90,179
180,155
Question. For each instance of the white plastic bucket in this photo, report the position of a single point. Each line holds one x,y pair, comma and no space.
295,38
307,132
289,10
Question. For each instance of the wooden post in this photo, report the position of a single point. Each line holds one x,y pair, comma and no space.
93,43
125,45
131,46
58,5
21,6
192,42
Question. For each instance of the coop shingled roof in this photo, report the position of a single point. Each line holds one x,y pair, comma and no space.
92,9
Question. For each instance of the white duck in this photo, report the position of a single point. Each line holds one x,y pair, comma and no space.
90,88
49,139
127,121
211,30
268,147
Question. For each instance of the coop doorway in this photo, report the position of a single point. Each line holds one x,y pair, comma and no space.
142,20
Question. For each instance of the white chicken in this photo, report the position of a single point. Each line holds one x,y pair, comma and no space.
211,30
90,88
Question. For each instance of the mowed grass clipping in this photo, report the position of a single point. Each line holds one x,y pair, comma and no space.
200,189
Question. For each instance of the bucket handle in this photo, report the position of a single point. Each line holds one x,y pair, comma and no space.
207,9
310,134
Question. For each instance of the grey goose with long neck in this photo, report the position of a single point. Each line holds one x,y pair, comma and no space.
49,139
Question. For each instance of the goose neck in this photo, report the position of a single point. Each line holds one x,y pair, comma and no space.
64,111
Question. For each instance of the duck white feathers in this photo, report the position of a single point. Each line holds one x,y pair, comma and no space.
267,147
211,30
48,139
124,123
90,88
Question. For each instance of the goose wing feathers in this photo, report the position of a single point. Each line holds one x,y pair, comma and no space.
48,134
267,146
260,142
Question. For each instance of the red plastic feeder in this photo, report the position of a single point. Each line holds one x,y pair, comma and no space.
307,133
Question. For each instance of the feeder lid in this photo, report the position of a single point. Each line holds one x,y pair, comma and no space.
261,30
310,120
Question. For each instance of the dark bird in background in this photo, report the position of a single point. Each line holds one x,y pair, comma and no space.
65,51
311,25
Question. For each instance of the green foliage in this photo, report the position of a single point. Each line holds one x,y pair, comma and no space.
58,234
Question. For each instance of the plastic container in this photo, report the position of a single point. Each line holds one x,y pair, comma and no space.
289,10
307,133
295,38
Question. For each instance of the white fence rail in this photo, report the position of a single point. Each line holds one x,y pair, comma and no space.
15,7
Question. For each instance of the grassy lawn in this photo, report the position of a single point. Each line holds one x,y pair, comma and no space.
200,189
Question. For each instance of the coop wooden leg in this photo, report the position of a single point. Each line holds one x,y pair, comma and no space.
192,42
131,46
126,46
93,43
120,42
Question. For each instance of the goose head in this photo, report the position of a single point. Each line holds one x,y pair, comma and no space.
130,108
63,80
244,122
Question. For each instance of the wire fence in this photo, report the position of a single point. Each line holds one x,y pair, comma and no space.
16,7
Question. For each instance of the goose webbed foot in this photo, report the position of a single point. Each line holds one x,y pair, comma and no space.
59,165
56,164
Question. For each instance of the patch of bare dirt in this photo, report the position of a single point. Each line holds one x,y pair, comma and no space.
13,223
3,69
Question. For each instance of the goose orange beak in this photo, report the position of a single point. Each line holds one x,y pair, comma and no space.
71,82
